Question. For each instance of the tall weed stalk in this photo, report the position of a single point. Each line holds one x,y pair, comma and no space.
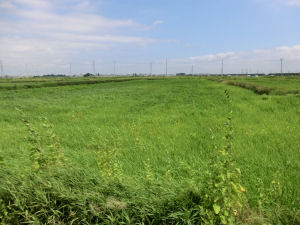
45,150
222,192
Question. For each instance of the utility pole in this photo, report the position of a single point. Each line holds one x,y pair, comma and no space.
94,67
26,69
192,69
114,68
150,68
70,69
281,60
166,66
222,68
1,68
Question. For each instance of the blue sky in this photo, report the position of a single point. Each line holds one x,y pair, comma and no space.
40,36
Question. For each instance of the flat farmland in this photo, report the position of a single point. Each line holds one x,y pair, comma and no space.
150,151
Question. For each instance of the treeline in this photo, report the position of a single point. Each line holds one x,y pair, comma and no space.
51,75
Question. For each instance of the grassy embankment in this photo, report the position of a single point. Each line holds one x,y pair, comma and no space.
39,82
278,85
147,151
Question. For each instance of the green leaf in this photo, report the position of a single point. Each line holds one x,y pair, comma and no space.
223,219
217,208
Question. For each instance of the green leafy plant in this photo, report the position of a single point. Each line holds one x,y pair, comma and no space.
222,192
55,152
45,150
107,160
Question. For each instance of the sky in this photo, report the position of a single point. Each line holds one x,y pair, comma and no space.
139,36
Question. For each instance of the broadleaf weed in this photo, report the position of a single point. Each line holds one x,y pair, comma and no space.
107,160
45,151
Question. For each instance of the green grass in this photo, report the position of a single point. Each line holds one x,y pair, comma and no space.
158,137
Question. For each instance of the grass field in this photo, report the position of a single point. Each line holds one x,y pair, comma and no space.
161,151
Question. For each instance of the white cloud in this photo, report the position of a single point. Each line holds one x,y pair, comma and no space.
213,57
259,60
83,4
278,3
153,25
34,3
288,52
78,22
7,5
157,22
40,33
293,2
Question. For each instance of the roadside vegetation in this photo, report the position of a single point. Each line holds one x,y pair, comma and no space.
162,151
